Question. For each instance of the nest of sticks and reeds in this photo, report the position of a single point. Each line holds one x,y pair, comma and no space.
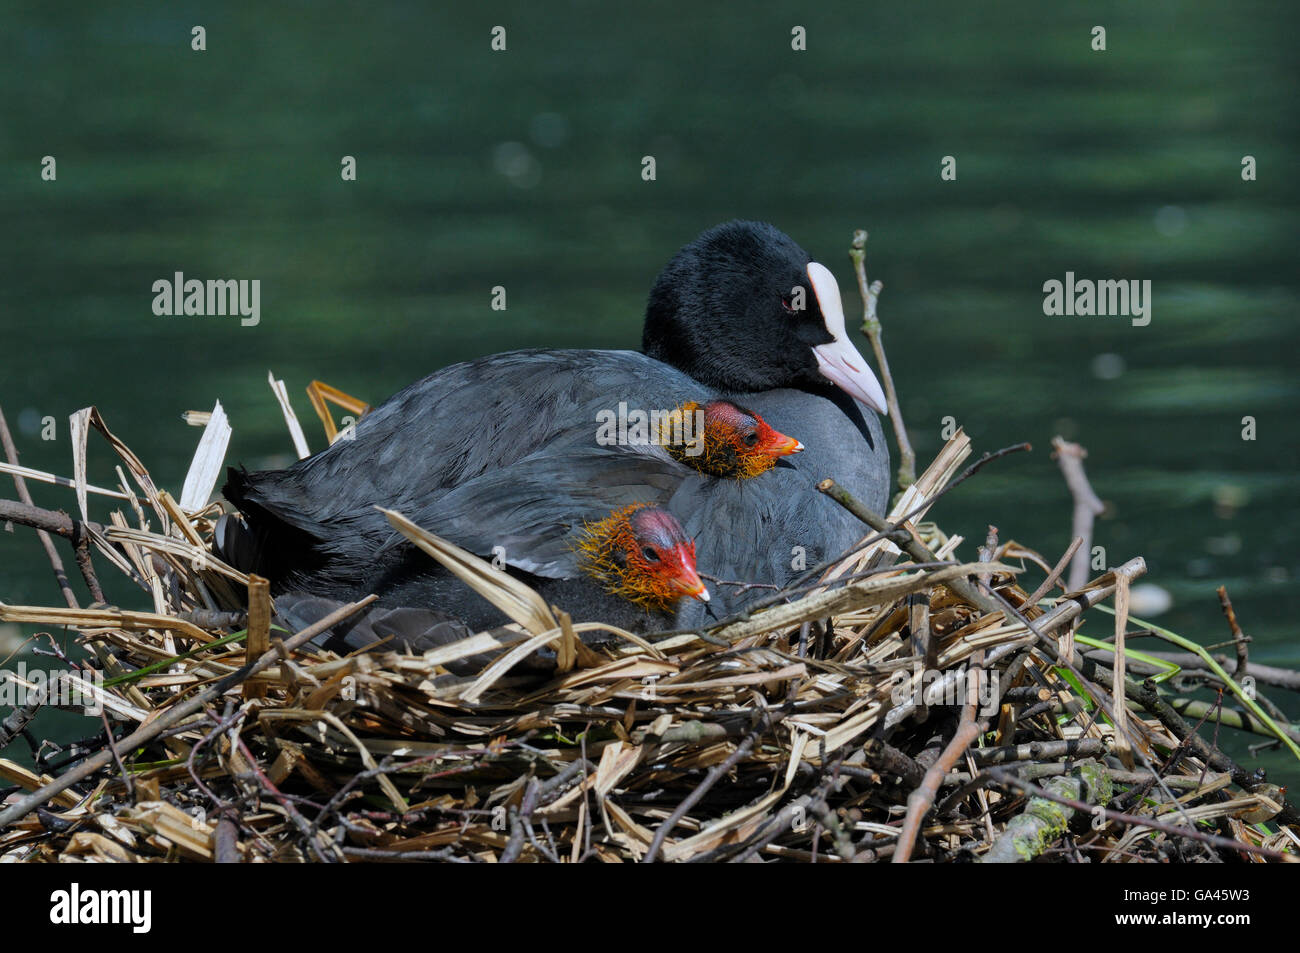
901,703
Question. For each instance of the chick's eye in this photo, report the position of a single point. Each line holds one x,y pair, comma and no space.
751,438
650,554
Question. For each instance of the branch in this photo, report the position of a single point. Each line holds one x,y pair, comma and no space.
1045,818
60,576
61,524
968,729
1069,456
1239,638
910,544
872,329
1192,666
921,800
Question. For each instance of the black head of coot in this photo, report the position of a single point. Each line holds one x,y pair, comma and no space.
744,308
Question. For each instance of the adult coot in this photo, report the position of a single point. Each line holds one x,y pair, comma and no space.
521,511
742,312
575,523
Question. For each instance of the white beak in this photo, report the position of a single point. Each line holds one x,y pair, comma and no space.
839,361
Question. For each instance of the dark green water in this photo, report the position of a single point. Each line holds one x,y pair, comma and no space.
522,169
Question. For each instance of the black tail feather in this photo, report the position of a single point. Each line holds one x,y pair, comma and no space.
264,541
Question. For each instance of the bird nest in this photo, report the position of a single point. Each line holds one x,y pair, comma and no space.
898,704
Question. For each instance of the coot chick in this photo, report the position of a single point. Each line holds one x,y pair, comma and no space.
736,443
631,568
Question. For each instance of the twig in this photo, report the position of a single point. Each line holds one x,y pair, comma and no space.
897,530
226,844
1230,717
911,544
1123,746
922,799
1104,702
17,721
258,640
127,782
780,822
1149,698
446,854
1048,813
1239,638
742,586
1069,456
872,329
1055,574
1040,751
74,530
717,771
1191,665
514,847
191,761
887,759
20,485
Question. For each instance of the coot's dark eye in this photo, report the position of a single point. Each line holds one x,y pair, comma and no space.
650,555
787,302
751,438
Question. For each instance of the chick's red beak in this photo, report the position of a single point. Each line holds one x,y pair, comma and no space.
777,444
680,561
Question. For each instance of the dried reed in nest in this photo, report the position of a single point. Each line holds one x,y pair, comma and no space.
900,705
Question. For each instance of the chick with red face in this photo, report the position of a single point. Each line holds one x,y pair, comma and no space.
737,443
630,569
641,553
